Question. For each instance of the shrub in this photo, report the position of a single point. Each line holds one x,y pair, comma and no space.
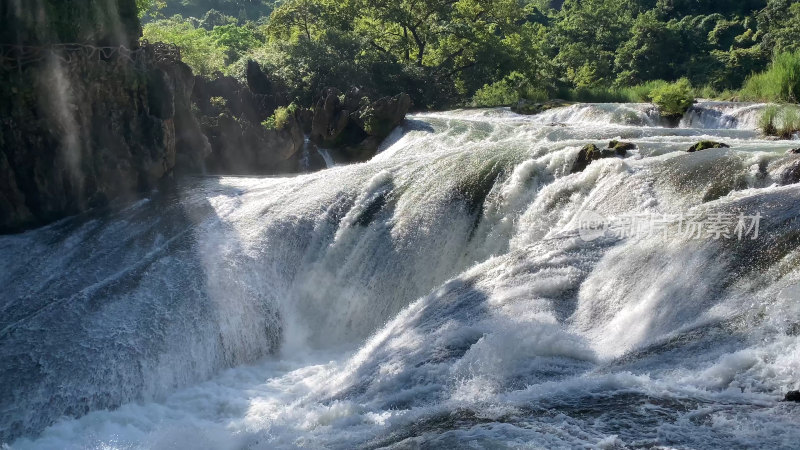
508,91
501,93
781,121
674,99
218,102
790,122
644,92
768,119
199,49
779,83
280,118
597,95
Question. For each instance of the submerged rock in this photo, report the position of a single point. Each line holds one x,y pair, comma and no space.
792,396
794,151
705,145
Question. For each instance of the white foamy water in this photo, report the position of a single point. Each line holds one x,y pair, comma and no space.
437,296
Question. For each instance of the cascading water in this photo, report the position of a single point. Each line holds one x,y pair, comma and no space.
442,294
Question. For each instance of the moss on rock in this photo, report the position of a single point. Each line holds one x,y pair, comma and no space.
705,145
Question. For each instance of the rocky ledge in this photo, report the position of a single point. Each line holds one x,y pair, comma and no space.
80,131
351,124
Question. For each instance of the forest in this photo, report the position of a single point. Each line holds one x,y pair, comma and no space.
448,53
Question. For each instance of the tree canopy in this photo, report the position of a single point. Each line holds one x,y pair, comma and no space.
444,51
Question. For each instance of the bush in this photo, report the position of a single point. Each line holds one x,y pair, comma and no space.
644,92
767,121
674,99
596,95
783,121
779,83
199,49
500,93
218,102
508,91
280,118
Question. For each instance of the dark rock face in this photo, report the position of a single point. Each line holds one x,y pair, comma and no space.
78,135
330,119
705,145
792,396
231,116
85,129
353,125
257,80
80,127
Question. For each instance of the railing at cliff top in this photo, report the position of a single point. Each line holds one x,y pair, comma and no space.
21,56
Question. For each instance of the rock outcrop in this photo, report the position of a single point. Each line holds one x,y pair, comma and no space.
233,118
82,125
705,145
81,134
107,120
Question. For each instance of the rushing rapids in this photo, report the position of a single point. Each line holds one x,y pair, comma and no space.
443,294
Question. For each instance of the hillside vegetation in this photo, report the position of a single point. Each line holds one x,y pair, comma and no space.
492,52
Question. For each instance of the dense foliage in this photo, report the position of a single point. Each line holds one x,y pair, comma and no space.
495,52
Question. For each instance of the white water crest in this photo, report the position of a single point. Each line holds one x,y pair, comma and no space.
440,295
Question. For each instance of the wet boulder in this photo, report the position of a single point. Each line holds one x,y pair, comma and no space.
590,153
621,148
705,145
792,396
794,151
791,175
586,155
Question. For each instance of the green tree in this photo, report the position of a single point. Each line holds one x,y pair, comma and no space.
586,36
780,22
199,49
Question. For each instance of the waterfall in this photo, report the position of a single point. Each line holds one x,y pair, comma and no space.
716,115
443,293
329,162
